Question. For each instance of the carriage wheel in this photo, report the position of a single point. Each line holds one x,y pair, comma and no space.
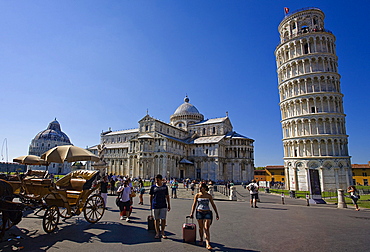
63,212
50,219
94,208
8,223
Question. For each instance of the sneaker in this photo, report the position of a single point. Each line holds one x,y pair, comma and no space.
128,220
122,218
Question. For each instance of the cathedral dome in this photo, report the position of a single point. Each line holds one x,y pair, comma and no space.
54,133
186,108
185,115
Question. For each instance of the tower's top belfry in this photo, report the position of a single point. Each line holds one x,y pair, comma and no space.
302,21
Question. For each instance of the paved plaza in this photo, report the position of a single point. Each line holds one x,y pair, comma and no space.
272,227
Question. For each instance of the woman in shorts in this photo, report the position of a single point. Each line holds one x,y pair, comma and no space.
203,213
354,196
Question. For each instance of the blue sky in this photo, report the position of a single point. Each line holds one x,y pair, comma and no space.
100,64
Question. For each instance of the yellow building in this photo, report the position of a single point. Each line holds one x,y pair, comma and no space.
260,175
360,173
275,173
271,173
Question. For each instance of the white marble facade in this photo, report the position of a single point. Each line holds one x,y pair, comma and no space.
313,120
187,147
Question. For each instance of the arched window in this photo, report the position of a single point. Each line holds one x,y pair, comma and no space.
305,48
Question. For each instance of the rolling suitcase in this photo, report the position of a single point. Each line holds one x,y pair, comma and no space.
151,222
189,231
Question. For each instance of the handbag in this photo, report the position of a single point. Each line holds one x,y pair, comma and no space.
356,196
118,199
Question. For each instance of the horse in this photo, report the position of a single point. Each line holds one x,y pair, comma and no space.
11,211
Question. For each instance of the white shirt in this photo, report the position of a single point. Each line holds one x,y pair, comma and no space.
255,188
125,194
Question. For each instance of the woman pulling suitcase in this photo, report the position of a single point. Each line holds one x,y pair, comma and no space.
204,213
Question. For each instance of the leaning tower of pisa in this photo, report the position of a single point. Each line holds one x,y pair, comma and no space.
315,142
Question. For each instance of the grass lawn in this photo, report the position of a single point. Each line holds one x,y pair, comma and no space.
363,202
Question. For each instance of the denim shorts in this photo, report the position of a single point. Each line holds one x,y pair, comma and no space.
204,215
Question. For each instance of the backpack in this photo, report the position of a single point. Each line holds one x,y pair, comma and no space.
251,187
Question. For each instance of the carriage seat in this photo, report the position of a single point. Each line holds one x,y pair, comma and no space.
37,181
76,187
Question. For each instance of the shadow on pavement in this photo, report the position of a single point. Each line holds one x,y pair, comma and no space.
216,246
220,247
105,232
272,208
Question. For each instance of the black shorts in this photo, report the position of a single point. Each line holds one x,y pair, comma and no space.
354,199
254,196
124,205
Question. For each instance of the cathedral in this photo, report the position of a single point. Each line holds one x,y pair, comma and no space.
187,147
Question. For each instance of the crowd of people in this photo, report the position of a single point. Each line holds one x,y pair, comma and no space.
159,200
160,204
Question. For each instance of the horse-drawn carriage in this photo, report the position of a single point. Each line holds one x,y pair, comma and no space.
69,196
31,187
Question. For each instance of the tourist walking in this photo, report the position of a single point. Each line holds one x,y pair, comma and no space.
354,196
125,200
160,203
204,214
253,190
112,186
142,191
104,190
210,187
192,187
174,186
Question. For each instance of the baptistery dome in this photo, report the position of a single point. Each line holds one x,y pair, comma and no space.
48,138
53,132
185,115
